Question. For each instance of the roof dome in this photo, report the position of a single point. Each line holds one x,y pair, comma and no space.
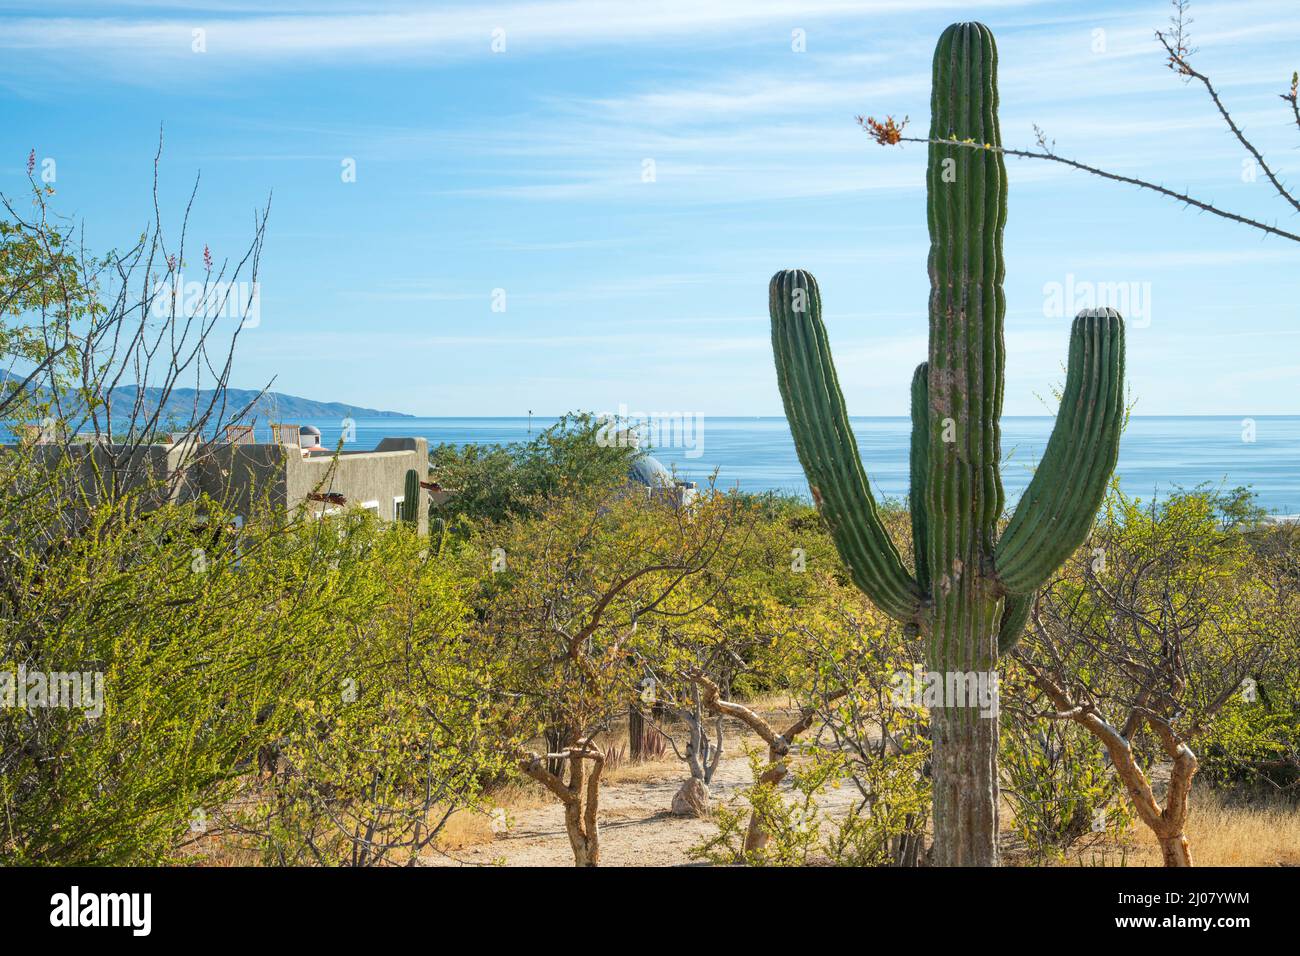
650,472
309,430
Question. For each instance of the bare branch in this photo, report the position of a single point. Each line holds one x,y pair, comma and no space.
1182,197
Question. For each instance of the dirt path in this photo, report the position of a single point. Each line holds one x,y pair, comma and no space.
636,826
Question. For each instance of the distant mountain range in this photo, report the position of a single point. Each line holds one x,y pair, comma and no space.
271,406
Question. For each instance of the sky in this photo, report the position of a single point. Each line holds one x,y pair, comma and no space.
486,208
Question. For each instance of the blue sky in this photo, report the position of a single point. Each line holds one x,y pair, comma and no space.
522,170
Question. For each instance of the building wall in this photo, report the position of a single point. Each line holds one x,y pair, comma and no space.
248,476
362,478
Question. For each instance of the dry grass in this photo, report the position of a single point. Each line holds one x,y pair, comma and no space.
668,766
1222,833
465,828
773,705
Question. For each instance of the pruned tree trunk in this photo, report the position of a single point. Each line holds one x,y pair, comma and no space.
702,758
580,796
692,799
778,745
1167,822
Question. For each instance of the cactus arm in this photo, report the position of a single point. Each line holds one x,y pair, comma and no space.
819,422
1015,615
919,469
1058,508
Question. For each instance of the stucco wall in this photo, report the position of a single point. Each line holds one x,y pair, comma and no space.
362,477
275,476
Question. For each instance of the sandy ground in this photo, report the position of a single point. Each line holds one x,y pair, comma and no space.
636,826
638,829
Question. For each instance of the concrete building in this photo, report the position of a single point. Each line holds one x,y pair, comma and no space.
299,479
319,481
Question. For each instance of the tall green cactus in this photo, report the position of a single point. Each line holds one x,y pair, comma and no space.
970,591
411,498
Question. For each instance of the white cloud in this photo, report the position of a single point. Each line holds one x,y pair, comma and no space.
452,30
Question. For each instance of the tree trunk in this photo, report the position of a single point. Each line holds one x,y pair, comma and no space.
580,796
1166,823
635,733
756,835
586,847
557,738
905,849
1176,851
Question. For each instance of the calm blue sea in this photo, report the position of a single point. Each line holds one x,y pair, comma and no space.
1157,454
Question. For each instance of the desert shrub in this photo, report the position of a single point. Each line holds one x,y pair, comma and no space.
185,647
1254,741
494,483
397,729
1142,638
793,823
841,662
1055,776
208,643
801,831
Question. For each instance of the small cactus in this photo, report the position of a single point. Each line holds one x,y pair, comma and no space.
411,498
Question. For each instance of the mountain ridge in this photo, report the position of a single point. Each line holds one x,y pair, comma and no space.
275,406
270,405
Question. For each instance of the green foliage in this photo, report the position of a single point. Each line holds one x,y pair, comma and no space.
1255,743
802,831
42,289
1060,787
1200,608
575,596
794,824
172,644
840,659
400,728
218,644
493,483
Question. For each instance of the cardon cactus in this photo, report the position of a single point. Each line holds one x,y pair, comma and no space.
971,588
411,498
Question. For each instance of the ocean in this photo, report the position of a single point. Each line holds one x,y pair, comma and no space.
1157,454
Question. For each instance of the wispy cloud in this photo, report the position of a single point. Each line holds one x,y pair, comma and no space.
452,30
